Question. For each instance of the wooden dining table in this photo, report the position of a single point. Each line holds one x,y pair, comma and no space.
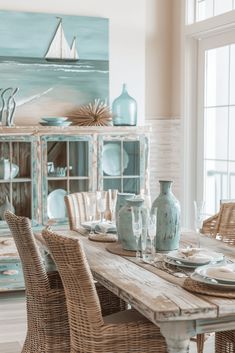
159,295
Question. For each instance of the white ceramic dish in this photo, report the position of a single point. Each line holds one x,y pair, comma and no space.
195,256
54,119
90,225
55,204
212,282
112,159
179,263
223,274
55,123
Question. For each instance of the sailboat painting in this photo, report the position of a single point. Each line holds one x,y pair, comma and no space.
58,62
59,48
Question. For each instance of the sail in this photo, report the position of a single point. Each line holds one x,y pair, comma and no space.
74,53
59,47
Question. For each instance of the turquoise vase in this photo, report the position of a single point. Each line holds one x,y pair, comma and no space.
126,235
124,109
121,201
168,218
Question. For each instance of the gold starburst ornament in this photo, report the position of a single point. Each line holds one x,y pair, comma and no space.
93,114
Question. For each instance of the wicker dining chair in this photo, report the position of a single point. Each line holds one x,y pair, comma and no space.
47,318
222,227
123,332
78,208
78,212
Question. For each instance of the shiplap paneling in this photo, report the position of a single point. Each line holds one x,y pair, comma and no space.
165,154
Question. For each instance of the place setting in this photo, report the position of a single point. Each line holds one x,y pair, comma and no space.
101,225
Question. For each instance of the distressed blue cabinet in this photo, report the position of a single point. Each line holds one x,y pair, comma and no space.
54,161
18,176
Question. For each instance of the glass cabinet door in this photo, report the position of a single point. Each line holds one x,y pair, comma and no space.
18,177
67,168
122,163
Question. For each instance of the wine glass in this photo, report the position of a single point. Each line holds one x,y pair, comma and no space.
199,214
91,202
101,204
136,227
112,194
152,227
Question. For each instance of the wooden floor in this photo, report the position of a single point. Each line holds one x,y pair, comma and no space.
13,325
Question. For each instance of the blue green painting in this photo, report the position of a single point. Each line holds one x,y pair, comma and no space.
58,62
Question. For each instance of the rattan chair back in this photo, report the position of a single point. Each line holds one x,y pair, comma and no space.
122,332
47,319
32,263
77,205
222,225
82,300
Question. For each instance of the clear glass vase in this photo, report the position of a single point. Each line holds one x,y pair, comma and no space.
124,109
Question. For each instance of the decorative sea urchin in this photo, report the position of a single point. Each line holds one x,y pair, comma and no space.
93,114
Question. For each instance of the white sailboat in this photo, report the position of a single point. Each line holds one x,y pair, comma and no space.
59,49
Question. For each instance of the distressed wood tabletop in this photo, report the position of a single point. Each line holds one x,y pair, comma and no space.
158,295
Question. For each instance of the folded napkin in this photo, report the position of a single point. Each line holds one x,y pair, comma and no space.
221,272
198,255
106,227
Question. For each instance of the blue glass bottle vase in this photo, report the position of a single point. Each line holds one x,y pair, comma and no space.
124,109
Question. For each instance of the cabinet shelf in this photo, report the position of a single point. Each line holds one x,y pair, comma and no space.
16,180
67,178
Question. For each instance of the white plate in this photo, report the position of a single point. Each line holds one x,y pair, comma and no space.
180,264
112,159
56,207
201,256
213,272
211,282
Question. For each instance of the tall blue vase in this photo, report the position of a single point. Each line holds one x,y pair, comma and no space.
167,208
124,109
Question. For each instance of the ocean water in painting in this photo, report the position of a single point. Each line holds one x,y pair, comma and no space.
53,88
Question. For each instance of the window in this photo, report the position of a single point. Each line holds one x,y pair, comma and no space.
209,105
218,113
199,10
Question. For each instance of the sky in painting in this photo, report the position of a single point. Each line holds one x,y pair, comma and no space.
24,34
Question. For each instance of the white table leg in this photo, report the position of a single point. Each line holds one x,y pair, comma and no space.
177,335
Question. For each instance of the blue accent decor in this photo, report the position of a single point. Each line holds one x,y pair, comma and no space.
124,109
168,218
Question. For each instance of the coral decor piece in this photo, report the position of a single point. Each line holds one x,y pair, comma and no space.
93,114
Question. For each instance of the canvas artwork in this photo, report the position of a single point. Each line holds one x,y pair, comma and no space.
58,62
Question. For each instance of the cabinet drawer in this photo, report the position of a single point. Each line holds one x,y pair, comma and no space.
11,276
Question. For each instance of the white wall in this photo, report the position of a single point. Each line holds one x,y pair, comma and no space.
127,37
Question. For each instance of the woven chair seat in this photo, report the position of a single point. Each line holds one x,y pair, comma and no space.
123,332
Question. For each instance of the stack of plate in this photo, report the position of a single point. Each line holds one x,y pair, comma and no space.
222,276
55,121
193,257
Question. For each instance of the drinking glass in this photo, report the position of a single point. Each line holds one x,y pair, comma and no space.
112,194
152,227
199,214
136,227
91,202
101,204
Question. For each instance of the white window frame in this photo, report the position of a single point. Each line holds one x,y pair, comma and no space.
191,101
